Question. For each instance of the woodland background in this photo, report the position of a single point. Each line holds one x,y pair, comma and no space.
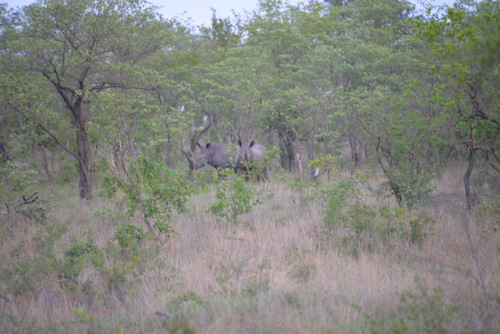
382,209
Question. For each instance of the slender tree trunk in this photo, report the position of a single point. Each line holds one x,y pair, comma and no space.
287,154
355,146
469,194
83,150
314,170
4,154
45,162
168,145
296,155
281,144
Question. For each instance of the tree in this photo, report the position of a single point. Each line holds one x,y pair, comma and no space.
283,46
82,48
8,34
464,43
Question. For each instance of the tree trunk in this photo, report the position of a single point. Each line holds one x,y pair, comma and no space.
45,163
168,146
355,154
4,154
297,160
287,154
314,170
469,194
83,150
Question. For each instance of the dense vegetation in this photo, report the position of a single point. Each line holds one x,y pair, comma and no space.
383,131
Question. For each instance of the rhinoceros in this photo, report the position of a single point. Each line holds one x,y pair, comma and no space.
250,157
216,155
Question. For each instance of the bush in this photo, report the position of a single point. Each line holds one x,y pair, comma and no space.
153,190
16,180
366,225
82,275
234,198
418,311
128,234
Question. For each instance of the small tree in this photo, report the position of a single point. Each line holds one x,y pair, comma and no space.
81,48
406,142
464,43
234,197
153,190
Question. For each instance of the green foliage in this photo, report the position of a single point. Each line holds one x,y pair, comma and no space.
180,327
76,257
222,31
33,268
327,164
488,213
78,248
25,273
112,77
404,223
420,311
408,142
234,198
36,211
462,63
206,177
360,218
338,194
366,226
128,234
409,188
16,180
111,216
153,190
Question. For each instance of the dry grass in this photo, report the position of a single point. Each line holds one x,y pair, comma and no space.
273,273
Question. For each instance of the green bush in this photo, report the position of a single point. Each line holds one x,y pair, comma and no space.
111,216
234,198
488,213
24,277
128,234
338,195
79,248
32,266
76,257
16,180
409,190
152,190
366,226
417,312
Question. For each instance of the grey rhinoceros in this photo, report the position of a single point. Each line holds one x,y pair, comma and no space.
249,157
219,156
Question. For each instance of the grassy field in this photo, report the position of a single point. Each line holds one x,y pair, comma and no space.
283,268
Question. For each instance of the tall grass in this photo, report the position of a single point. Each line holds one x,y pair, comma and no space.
275,271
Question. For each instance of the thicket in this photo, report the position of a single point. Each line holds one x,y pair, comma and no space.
107,92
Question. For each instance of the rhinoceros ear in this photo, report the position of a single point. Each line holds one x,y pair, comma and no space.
239,142
208,145
252,143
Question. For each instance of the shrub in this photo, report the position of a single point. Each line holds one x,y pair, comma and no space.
15,180
234,198
338,195
326,164
128,234
418,311
366,225
153,190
